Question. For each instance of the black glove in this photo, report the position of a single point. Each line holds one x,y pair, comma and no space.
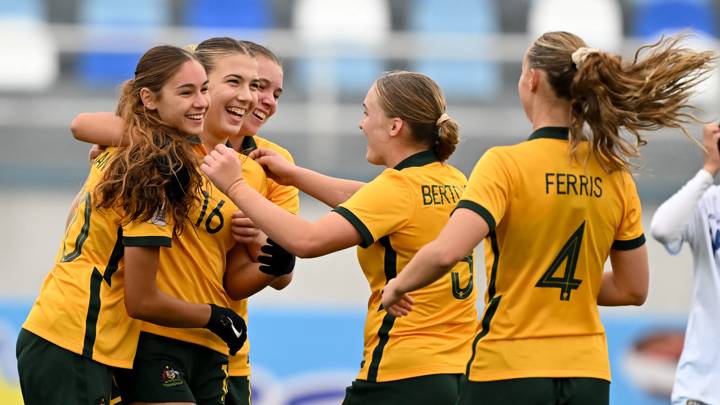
276,261
229,326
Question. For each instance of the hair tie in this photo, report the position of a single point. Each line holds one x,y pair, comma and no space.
444,117
190,48
580,54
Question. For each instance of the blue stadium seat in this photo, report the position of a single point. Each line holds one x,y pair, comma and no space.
110,68
653,17
459,79
341,24
251,14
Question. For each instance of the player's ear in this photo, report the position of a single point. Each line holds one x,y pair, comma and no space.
395,126
534,79
148,98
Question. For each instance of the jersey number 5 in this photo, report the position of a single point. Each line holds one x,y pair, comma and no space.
458,291
568,254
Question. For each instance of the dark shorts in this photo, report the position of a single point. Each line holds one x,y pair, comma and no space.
50,374
170,370
438,389
537,391
238,391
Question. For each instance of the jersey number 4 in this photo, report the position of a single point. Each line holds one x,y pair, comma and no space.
568,254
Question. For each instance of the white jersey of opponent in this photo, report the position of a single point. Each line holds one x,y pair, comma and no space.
692,215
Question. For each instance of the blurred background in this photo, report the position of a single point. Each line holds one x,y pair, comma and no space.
62,57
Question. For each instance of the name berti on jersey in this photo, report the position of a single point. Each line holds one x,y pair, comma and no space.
438,194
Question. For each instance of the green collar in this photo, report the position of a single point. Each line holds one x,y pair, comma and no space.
550,133
248,145
418,159
194,139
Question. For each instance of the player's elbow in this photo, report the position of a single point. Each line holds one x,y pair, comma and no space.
281,282
76,127
138,308
637,296
662,232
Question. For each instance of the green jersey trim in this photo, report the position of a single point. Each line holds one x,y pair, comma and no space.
419,159
550,133
136,241
367,238
629,244
478,209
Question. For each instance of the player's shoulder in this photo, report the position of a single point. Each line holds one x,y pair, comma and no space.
267,144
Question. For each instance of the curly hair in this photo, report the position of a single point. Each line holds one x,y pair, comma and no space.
156,176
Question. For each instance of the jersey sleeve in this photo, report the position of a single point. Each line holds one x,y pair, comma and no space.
155,232
380,207
488,189
629,234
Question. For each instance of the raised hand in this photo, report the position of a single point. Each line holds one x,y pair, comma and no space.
223,167
229,326
276,261
276,166
711,137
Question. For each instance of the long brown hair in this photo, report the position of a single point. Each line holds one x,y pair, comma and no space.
609,95
156,177
418,100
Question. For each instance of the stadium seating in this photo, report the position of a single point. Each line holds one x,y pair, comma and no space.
99,68
28,47
351,26
654,18
471,80
598,22
251,14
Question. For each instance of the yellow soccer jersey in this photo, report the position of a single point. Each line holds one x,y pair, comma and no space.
552,225
194,268
396,214
283,196
80,306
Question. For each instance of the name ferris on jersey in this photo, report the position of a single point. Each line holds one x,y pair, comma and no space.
568,183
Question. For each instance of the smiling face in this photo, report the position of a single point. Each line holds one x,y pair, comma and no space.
183,100
269,91
375,125
233,90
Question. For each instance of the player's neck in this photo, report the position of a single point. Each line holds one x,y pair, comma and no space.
551,114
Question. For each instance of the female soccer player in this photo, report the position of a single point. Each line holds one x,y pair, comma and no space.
419,359
270,87
134,201
692,215
553,209
197,272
